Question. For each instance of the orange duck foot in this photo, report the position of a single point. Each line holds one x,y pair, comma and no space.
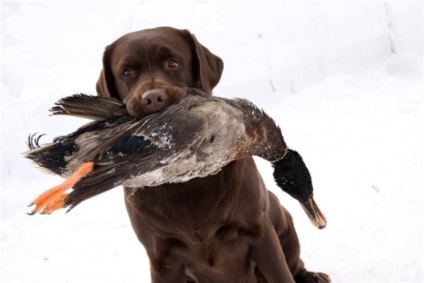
53,199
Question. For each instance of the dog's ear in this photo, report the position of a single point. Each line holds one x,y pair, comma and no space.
105,86
207,67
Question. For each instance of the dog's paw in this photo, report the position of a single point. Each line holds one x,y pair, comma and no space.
313,277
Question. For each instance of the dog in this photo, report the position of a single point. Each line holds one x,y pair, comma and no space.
225,227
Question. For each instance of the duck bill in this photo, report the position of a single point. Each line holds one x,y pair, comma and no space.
314,213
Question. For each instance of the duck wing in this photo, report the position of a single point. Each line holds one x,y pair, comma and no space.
88,106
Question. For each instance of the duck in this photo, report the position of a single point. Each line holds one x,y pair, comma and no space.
193,138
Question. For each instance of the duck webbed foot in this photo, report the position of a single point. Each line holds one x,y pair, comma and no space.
53,199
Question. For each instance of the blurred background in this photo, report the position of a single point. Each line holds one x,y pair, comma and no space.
343,79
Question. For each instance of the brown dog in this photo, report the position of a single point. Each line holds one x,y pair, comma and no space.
222,228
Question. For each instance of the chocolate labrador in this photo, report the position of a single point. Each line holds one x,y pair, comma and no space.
223,228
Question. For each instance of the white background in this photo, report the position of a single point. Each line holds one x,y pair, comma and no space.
343,80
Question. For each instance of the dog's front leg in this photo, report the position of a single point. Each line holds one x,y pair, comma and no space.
269,257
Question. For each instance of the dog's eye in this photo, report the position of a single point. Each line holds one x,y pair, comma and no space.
172,64
126,73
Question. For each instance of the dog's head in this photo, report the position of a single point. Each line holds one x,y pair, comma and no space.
151,69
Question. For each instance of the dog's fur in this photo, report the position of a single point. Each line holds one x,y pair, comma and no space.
223,228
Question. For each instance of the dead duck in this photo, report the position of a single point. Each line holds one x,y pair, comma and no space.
193,138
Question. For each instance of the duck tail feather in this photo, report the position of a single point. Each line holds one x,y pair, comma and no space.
50,156
33,141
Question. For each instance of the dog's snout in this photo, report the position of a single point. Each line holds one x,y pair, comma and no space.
154,100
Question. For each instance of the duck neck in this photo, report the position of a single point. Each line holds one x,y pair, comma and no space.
264,136
267,141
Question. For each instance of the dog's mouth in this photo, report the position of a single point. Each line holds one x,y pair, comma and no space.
314,213
156,100
196,91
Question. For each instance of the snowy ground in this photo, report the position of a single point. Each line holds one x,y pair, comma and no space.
343,79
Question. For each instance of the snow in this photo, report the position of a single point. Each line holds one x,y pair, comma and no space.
343,79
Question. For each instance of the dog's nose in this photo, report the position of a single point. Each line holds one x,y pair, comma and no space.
154,100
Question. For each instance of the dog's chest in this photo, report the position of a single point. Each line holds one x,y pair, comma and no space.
208,253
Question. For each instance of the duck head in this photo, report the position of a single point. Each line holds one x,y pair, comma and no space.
293,177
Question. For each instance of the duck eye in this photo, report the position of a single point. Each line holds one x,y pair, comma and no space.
172,64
